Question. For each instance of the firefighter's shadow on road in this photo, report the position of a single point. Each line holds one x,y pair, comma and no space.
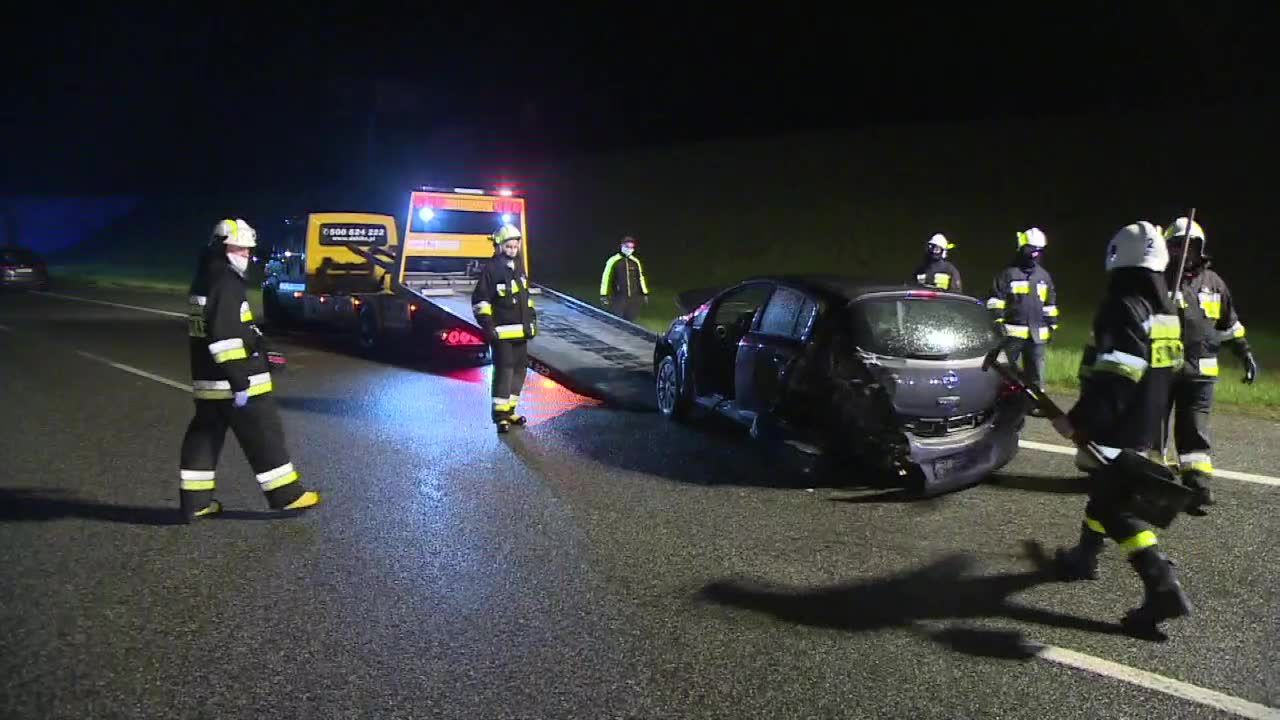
28,505
946,590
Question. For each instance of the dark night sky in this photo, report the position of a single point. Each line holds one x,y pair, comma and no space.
131,98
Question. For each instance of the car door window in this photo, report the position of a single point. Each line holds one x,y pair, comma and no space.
780,315
738,307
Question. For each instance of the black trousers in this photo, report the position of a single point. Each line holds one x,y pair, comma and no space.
1032,354
1191,402
259,431
628,308
510,363
1109,511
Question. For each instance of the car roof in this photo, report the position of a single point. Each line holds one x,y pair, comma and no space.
833,286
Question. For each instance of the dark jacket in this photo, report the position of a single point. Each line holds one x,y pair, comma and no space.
502,303
623,276
227,350
1025,302
938,274
1127,372
1208,320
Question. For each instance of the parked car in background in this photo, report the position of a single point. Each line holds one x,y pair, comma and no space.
879,380
22,269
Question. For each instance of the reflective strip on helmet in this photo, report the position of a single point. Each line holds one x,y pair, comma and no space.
221,389
1141,541
1208,366
277,478
1094,525
246,315
509,332
1019,287
1200,462
1051,311
482,308
995,304
1018,331
1123,364
942,280
225,350
1235,332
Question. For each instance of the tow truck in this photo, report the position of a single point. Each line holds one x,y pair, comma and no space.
352,273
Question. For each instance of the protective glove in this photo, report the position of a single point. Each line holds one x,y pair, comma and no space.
646,299
1250,367
241,398
604,301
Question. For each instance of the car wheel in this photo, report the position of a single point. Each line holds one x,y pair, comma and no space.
672,400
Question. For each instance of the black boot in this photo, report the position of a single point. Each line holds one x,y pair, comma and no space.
1164,598
1081,561
1201,498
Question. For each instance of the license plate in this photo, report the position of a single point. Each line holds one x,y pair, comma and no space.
953,464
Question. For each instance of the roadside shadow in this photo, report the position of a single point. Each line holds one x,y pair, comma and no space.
947,589
709,451
1054,484
26,505
338,407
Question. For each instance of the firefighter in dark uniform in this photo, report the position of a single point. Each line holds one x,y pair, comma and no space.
623,287
1208,321
935,270
1025,303
504,309
1126,375
231,382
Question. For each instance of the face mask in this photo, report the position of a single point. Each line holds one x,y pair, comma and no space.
627,250
240,263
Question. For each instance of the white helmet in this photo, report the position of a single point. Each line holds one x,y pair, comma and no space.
235,232
1179,227
1138,245
1033,237
941,241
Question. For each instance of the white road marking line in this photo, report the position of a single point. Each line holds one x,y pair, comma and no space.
168,313
1159,683
1217,472
136,371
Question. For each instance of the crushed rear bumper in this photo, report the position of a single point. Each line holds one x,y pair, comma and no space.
957,461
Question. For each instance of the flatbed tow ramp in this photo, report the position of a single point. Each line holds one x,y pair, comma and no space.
579,346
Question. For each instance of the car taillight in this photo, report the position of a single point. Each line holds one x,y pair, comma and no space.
459,337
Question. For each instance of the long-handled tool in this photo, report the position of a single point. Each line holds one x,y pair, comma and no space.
1175,293
1157,496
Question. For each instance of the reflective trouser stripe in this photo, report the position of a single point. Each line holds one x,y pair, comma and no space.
1141,541
1200,462
196,480
279,477
1094,525
502,404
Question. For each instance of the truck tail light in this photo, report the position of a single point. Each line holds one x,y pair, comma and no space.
460,337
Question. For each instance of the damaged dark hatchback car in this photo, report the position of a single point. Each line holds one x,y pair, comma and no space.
880,383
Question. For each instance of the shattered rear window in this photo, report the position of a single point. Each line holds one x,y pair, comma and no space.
924,328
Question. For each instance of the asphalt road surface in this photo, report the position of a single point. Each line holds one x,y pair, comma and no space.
596,564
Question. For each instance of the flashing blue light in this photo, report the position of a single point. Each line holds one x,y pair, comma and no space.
506,217
426,213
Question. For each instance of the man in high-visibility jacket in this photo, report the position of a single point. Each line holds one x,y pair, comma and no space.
504,309
231,381
1209,321
1025,303
623,287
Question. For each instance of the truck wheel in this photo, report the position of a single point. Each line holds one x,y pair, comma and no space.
673,400
368,336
